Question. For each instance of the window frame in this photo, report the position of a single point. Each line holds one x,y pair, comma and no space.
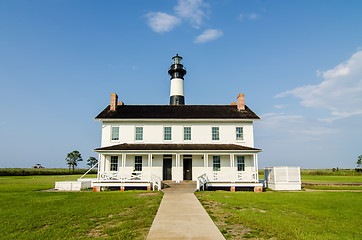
240,164
135,138
186,134
164,133
218,133
139,164
242,133
215,163
113,167
115,140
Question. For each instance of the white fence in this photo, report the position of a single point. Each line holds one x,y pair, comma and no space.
282,178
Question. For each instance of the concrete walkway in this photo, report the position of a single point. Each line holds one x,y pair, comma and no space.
181,216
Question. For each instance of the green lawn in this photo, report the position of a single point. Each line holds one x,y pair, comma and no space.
330,179
286,215
334,187
26,213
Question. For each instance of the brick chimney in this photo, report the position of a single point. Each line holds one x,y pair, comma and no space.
114,100
241,102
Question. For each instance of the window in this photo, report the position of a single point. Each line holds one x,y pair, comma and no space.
216,163
139,133
115,133
239,133
167,133
241,163
187,133
114,163
138,163
215,133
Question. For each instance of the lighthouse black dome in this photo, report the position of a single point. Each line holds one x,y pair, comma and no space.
177,70
177,73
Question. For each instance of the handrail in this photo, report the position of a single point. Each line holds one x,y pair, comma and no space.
156,181
201,181
88,171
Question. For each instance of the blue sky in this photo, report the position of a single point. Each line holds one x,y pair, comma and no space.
299,64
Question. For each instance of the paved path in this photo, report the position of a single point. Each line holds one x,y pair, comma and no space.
181,216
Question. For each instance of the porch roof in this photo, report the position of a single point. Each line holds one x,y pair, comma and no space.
177,147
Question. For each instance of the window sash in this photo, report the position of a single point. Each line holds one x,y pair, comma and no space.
114,163
241,163
216,163
167,133
215,133
239,133
187,133
138,163
115,133
139,133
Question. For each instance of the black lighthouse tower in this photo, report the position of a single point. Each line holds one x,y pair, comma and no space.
177,72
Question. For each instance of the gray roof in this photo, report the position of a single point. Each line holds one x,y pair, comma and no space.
177,112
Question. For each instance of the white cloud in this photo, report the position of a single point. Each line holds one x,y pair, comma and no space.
191,10
208,35
340,92
293,127
162,22
249,16
280,106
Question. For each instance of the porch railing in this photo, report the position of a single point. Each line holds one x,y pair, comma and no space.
88,171
234,176
156,182
201,182
134,177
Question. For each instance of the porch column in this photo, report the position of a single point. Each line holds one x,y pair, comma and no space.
123,165
99,165
256,167
177,159
177,175
104,163
232,160
232,170
149,164
206,160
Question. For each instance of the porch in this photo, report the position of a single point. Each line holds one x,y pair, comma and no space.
208,169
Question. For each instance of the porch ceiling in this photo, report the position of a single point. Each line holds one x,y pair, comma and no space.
177,147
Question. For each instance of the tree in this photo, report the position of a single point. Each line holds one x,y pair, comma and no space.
91,161
73,158
359,161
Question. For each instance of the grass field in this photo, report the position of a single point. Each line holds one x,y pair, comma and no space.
330,179
42,171
27,213
286,215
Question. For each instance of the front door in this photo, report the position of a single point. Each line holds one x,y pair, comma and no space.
187,168
167,167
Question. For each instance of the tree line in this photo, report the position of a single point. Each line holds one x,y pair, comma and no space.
73,158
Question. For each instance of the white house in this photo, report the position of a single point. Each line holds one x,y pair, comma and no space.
143,145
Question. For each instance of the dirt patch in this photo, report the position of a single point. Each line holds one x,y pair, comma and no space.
224,221
146,194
